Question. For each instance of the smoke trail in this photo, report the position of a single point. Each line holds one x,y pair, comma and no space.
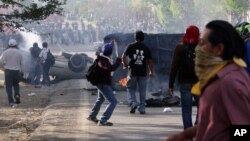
28,39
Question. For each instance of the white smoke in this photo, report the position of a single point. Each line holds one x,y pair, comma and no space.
28,39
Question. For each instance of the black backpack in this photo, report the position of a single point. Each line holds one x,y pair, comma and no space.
50,59
187,69
95,74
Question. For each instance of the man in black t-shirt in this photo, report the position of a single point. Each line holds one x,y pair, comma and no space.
140,59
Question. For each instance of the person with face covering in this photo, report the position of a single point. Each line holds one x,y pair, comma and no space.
183,65
224,85
105,90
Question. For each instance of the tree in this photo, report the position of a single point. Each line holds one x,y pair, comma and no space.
15,13
237,9
175,15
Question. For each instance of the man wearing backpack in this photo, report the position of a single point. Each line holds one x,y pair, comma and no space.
36,68
183,64
103,83
244,30
45,61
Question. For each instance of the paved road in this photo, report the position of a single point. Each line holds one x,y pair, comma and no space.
65,120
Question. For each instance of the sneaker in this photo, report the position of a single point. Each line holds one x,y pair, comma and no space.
95,120
142,112
105,123
132,110
12,105
17,99
38,86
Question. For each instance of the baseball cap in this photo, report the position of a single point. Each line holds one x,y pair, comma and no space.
12,42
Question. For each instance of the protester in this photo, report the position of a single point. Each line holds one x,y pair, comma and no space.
105,90
46,67
12,61
223,84
140,60
36,67
183,65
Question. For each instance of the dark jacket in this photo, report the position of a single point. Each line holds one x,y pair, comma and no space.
176,67
107,68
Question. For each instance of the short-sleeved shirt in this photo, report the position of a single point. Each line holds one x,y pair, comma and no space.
224,102
138,54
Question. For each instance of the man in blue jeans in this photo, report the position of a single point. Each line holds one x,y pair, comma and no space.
36,67
140,60
105,90
183,64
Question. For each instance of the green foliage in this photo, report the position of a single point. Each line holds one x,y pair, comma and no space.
14,13
175,15
175,9
237,6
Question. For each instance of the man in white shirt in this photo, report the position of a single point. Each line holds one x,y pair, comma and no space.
12,61
46,67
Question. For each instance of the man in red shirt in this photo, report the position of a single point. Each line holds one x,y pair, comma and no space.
223,84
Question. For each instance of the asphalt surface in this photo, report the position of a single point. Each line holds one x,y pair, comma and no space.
65,120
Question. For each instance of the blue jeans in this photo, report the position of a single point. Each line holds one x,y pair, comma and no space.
104,92
38,72
46,78
131,89
187,103
35,72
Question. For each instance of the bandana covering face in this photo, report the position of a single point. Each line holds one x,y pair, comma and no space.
207,66
205,63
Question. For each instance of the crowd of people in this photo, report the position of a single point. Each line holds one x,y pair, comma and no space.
80,33
75,33
212,67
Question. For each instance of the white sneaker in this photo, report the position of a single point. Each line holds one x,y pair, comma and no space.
13,105
168,109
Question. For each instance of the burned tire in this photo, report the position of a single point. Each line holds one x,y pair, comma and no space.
77,63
